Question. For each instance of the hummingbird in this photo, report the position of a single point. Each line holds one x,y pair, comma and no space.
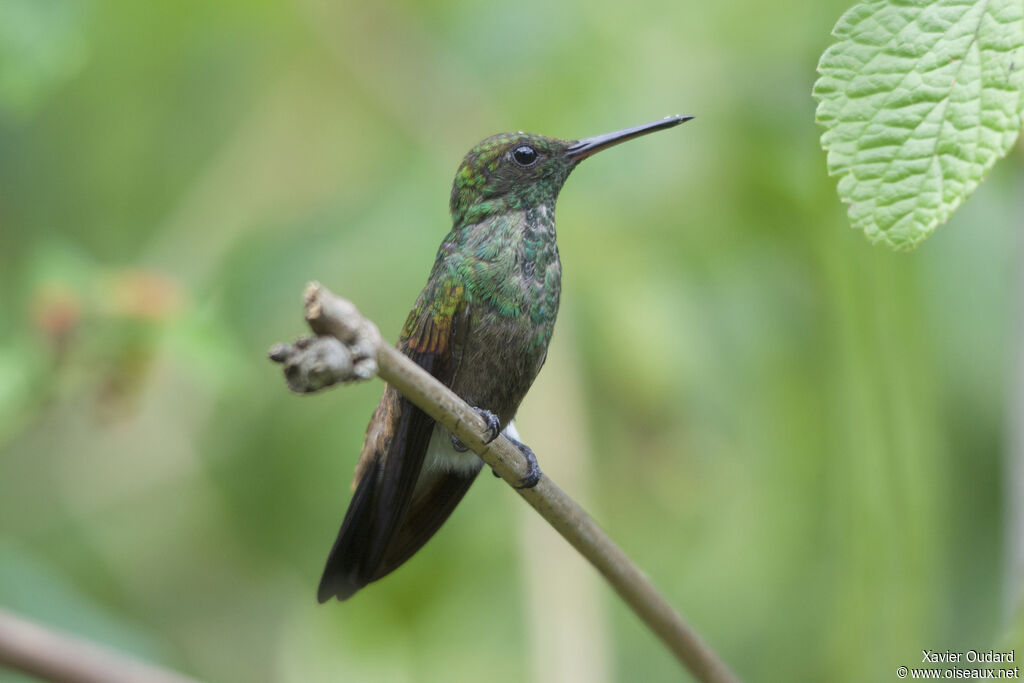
481,326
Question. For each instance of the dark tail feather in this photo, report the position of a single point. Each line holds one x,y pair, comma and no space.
347,571
344,575
433,502
392,513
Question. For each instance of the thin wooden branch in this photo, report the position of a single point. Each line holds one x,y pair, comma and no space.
330,316
54,656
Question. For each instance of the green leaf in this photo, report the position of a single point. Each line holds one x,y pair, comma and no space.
918,100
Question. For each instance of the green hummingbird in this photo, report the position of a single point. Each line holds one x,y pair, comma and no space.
481,326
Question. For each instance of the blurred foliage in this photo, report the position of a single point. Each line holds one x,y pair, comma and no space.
41,46
803,440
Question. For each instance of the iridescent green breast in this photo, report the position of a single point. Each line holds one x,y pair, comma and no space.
509,267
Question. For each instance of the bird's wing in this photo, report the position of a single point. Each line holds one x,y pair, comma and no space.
381,530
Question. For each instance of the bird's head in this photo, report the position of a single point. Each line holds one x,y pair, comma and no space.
518,171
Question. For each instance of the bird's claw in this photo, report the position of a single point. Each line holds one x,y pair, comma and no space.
493,424
493,430
534,473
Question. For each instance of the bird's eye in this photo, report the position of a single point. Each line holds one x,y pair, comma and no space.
525,156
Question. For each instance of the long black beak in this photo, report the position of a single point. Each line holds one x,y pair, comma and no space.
582,149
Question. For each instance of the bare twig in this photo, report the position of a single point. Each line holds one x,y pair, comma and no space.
54,656
329,315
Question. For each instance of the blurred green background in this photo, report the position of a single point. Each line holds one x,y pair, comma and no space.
805,441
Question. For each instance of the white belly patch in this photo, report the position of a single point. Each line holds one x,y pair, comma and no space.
442,456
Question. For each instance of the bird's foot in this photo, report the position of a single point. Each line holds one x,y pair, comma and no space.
533,475
493,424
493,430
